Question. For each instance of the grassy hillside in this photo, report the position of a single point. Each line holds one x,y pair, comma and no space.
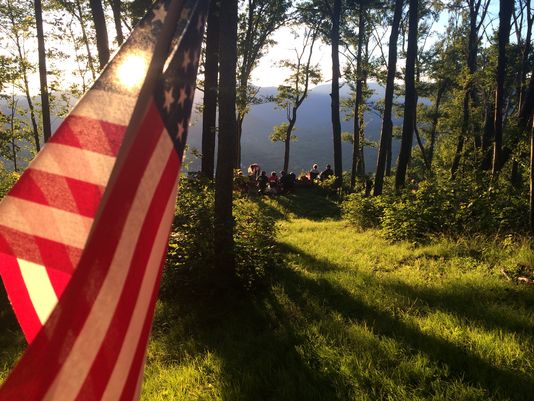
347,316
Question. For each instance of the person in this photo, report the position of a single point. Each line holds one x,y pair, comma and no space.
262,181
314,172
285,182
328,172
254,171
273,184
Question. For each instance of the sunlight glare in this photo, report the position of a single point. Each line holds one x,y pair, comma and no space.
132,70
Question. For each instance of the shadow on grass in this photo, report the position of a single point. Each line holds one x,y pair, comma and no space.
255,340
268,351
309,203
466,366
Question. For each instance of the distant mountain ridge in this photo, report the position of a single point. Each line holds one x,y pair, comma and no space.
313,129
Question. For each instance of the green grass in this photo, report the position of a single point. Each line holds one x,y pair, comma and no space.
348,316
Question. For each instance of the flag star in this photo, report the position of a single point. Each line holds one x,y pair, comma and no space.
183,96
159,14
181,130
187,60
169,100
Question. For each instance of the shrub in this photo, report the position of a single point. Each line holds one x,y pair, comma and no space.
191,253
363,212
7,180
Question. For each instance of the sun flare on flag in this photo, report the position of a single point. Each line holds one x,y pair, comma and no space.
132,70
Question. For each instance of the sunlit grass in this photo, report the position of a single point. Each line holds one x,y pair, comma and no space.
348,316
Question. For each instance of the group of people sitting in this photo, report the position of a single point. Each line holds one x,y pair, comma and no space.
285,182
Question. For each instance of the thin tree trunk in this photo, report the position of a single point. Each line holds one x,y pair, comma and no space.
224,241
336,121
410,99
461,138
356,149
386,137
45,103
287,140
86,40
102,43
117,19
532,180
211,73
505,14
525,55
487,138
12,127
434,129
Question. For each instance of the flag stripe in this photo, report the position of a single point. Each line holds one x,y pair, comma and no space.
39,250
56,191
76,163
135,298
88,133
56,225
75,367
106,106
94,265
15,286
39,288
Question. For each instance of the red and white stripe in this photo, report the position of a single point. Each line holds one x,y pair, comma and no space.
47,216
95,340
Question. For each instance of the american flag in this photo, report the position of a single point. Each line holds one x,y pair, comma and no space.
94,211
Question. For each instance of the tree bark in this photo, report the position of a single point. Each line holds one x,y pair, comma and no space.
45,103
505,14
532,180
211,73
117,19
224,222
336,121
410,99
435,119
356,149
384,150
102,43
287,141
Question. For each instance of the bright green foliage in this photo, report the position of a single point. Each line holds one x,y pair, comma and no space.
363,212
442,207
191,247
7,180
279,133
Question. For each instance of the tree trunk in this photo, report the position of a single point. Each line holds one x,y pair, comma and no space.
224,222
487,138
287,141
336,121
356,149
86,40
211,73
99,20
525,55
532,180
117,19
461,138
410,99
45,103
505,14
434,129
386,136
